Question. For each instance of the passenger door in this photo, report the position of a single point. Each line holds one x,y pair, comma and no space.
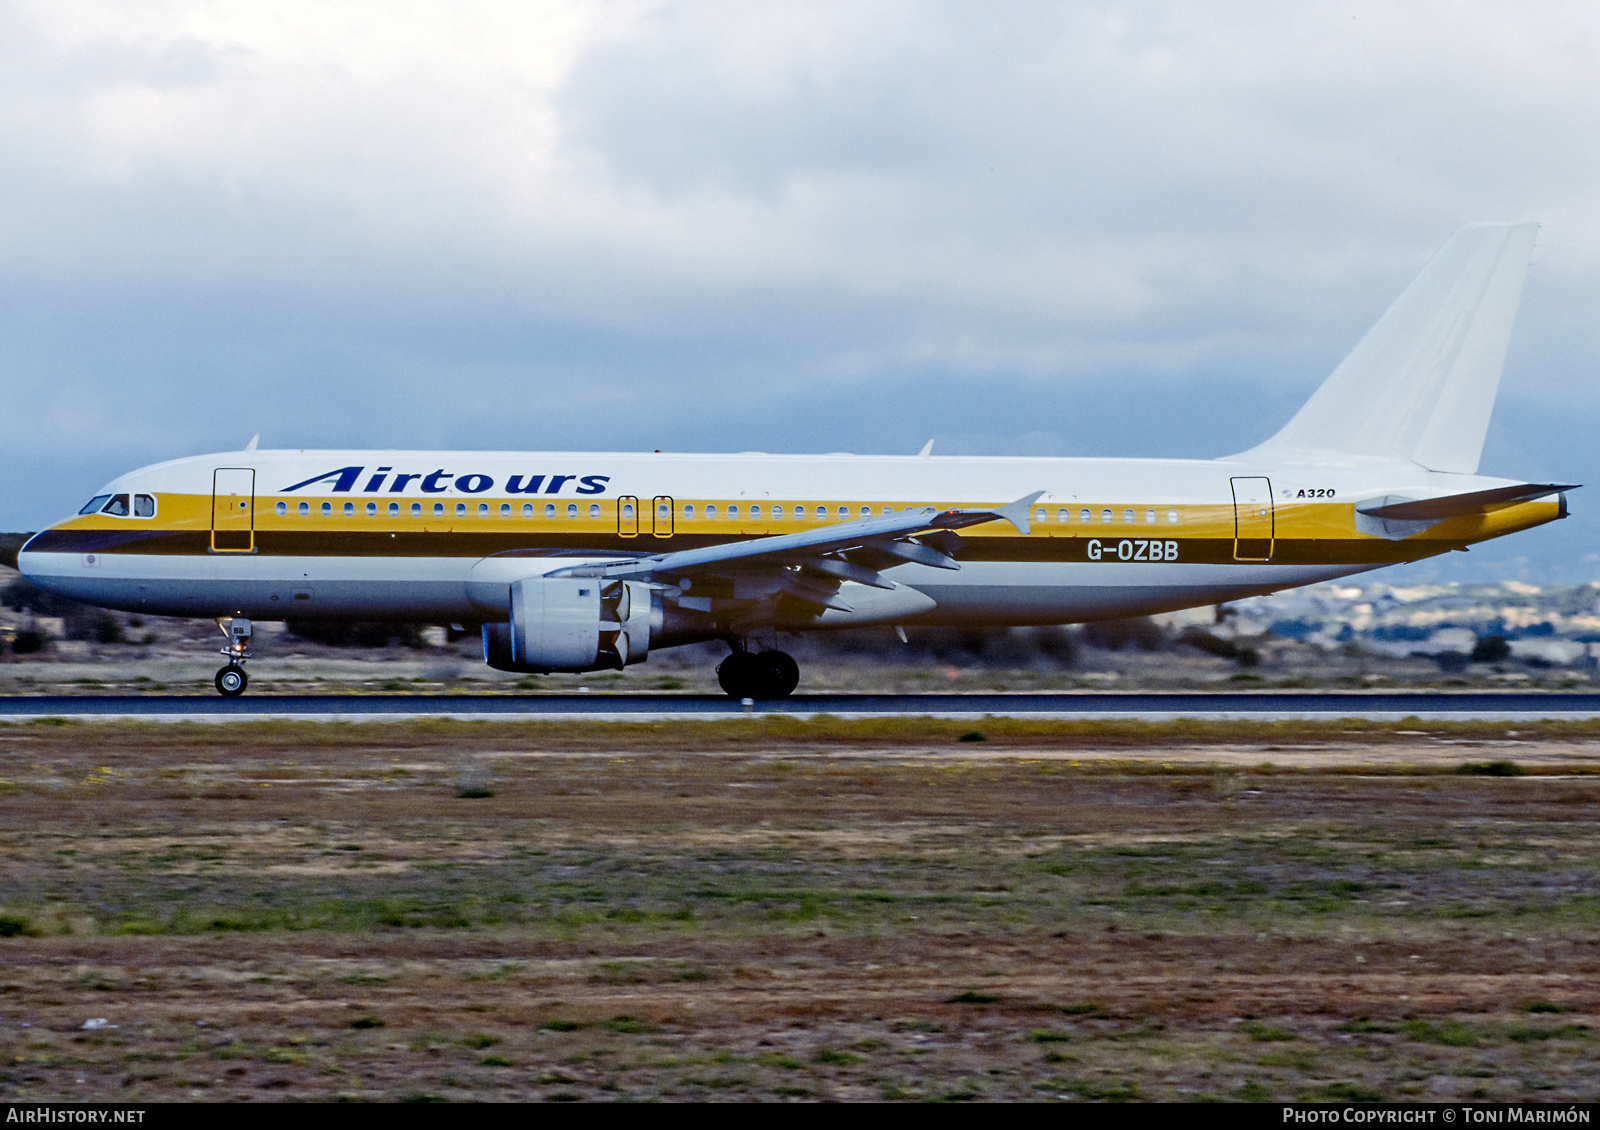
1253,530
233,510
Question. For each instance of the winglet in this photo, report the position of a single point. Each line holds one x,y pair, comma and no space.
1017,512
255,439
927,450
1014,512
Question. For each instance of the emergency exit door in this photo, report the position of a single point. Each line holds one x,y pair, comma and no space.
233,510
661,515
1253,531
627,516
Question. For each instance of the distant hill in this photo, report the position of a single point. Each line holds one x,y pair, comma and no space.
9,545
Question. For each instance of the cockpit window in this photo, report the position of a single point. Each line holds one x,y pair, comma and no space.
116,505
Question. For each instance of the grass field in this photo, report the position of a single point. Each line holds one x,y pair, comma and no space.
763,910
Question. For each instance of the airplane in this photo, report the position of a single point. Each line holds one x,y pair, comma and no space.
581,562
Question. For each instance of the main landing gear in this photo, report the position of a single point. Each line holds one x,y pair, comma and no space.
760,675
231,680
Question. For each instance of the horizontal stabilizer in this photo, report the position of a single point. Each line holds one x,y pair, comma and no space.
1457,505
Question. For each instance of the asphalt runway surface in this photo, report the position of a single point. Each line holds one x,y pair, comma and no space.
659,707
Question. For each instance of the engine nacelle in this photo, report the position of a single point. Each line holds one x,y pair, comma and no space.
572,624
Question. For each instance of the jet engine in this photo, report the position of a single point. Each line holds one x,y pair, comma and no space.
572,624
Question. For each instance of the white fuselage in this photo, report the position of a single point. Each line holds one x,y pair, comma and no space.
437,536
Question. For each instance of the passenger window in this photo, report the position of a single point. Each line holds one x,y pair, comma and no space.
844,513
461,510
663,511
1105,515
866,511
94,504
483,509
777,513
505,510
594,510
627,511
144,506
688,510
1063,515
305,508
327,509
438,510
416,509
349,509
282,508
394,510
1127,515
887,510
572,510
527,510
1172,517
1042,516
755,512
1083,516
118,506
549,510
1150,517
822,513
711,511
733,513
372,509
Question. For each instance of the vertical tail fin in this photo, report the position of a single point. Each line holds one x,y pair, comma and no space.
1422,383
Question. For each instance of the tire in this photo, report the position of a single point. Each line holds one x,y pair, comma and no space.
231,681
780,674
739,675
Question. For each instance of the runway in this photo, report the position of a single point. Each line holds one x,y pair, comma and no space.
1388,706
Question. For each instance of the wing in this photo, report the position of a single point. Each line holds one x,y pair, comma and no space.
810,566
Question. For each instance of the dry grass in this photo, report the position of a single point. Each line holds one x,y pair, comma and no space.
785,910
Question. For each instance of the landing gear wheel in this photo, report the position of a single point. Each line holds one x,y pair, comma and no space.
780,674
769,675
739,675
231,681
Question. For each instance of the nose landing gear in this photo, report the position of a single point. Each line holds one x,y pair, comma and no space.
231,679
758,675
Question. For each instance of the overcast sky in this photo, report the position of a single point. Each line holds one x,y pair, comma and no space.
1061,228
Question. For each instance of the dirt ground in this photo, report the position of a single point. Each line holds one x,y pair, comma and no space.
1065,911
